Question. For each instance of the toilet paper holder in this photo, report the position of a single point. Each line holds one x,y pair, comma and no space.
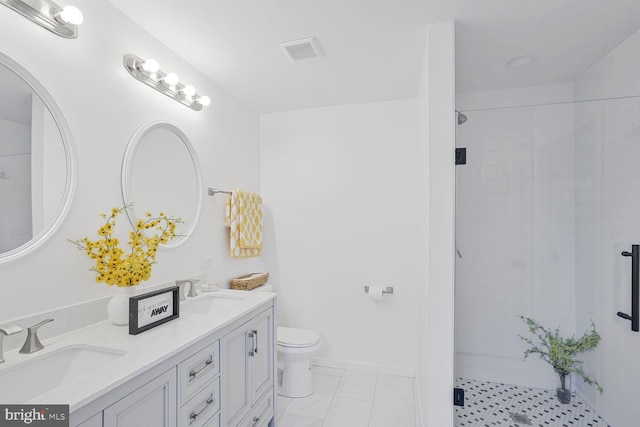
387,290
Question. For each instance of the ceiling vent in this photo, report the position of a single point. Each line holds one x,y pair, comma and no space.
300,50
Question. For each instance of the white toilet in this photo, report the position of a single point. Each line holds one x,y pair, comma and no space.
295,347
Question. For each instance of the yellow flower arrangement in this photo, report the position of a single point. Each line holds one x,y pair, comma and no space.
113,265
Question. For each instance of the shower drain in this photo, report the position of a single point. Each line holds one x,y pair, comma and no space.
520,418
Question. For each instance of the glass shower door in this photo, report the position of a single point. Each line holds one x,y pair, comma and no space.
548,200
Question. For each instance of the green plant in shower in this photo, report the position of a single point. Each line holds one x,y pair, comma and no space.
561,353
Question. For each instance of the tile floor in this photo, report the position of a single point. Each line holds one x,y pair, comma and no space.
494,404
344,398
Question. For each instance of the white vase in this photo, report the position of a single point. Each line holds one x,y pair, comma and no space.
118,307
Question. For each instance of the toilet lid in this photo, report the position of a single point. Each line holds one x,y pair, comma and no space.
296,337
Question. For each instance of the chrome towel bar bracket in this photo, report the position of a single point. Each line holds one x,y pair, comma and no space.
214,191
387,290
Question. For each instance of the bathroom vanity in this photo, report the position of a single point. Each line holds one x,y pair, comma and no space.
213,366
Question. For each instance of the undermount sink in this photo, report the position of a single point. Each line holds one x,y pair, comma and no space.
29,379
210,304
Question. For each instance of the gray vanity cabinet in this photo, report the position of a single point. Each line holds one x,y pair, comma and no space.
262,361
224,379
153,404
199,388
248,372
95,421
188,394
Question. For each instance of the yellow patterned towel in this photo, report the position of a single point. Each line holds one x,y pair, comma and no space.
243,216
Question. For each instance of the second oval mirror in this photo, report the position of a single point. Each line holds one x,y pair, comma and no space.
161,173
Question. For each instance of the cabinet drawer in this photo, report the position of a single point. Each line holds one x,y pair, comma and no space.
95,421
198,410
213,421
153,404
261,413
198,369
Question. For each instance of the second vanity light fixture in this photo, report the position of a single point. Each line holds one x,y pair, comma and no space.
148,72
62,21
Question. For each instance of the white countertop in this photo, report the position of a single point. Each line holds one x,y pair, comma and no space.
143,351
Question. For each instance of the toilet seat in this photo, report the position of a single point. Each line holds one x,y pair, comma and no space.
296,337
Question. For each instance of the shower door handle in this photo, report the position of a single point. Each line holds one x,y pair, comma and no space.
635,288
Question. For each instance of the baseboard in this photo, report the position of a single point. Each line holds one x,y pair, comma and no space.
364,367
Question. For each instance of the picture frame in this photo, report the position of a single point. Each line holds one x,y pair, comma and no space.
153,309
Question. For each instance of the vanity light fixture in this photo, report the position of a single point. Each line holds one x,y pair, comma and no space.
149,66
149,73
62,21
170,79
205,101
188,91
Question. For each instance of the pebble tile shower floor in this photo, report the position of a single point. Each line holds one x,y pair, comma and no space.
502,405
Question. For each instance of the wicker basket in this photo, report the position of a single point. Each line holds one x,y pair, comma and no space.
249,281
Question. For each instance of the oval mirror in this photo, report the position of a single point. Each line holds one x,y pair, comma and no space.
161,173
37,162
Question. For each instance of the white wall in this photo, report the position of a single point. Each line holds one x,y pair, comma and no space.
515,233
423,158
364,194
104,106
607,212
436,310
341,191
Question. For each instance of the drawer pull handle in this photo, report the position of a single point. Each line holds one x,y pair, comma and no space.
254,343
194,373
194,415
255,420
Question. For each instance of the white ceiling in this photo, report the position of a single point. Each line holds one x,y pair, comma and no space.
372,50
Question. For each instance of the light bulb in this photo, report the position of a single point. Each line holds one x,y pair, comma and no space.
171,79
69,15
204,101
150,66
188,91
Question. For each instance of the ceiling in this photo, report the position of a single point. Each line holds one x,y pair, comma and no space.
372,50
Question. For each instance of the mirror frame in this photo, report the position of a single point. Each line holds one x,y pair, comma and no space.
127,173
70,157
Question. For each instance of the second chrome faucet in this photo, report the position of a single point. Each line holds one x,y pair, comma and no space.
192,287
32,343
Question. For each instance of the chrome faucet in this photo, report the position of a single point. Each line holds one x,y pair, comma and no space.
7,330
192,287
32,343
